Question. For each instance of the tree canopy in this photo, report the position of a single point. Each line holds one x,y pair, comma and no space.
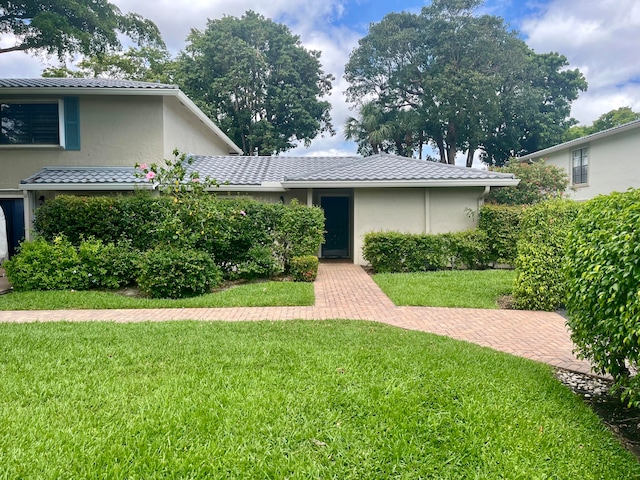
254,77
148,64
67,27
612,118
469,82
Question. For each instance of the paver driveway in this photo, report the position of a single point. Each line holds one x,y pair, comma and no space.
346,291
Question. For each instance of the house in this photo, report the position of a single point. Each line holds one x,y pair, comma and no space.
599,163
49,122
358,195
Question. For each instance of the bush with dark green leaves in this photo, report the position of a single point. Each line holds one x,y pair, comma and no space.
501,223
468,249
304,268
261,262
540,283
395,252
603,280
108,265
170,272
226,228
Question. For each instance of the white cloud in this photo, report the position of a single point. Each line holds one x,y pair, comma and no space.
599,37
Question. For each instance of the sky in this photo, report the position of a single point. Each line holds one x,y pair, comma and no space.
599,37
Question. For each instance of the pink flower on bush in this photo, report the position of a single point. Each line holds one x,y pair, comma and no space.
144,166
196,180
243,213
150,175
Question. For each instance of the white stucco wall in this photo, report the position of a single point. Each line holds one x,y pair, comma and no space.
187,133
614,164
114,131
412,210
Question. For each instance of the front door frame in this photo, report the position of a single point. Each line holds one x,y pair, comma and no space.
343,193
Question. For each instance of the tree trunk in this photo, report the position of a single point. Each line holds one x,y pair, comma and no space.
470,154
451,143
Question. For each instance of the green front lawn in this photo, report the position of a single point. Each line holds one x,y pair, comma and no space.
456,288
261,294
300,399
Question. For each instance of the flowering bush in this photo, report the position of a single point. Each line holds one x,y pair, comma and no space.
538,182
172,176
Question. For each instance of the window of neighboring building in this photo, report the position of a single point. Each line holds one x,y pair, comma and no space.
29,124
580,166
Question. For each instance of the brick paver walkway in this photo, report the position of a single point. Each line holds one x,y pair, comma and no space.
346,291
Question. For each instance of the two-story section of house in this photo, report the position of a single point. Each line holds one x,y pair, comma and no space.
47,122
599,163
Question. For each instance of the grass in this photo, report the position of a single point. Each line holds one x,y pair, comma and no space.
262,294
458,288
332,399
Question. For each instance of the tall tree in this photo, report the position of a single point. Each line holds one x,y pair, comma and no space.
473,83
254,77
67,27
149,64
612,118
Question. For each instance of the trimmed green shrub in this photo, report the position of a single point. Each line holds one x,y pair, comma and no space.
540,283
261,262
603,280
393,252
137,218
468,248
108,265
42,265
224,228
304,269
501,223
169,272
299,230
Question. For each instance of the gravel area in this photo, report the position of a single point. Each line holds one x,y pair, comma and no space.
622,421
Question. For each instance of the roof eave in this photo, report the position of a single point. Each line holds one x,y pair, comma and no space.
580,141
86,186
402,183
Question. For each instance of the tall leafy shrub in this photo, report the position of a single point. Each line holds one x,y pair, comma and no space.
538,182
540,283
603,272
501,223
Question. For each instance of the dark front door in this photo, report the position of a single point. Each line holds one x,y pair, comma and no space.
14,214
336,212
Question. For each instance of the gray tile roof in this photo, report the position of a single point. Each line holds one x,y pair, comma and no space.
242,170
84,175
79,83
255,171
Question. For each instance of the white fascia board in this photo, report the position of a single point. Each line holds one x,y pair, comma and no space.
265,187
101,187
507,182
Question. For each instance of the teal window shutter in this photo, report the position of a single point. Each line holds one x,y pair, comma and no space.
72,123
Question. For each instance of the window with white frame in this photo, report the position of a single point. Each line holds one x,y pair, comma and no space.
580,166
29,123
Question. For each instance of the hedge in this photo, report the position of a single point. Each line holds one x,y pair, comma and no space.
501,224
603,280
226,229
394,252
540,283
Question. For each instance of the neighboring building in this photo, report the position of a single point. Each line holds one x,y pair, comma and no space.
358,195
48,122
599,163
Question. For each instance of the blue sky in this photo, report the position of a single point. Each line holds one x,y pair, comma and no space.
600,37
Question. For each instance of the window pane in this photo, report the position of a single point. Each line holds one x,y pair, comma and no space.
29,124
